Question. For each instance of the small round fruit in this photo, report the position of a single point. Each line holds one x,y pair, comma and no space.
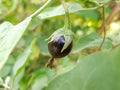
56,45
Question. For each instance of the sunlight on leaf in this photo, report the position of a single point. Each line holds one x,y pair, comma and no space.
10,35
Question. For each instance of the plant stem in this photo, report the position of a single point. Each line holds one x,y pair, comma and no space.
115,11
104,26
41,9
67,17
50,62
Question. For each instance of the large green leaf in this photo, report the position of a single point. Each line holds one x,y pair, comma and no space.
59,10
91,40
99,71
9,36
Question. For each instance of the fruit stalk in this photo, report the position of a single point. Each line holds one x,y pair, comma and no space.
67,17
50,62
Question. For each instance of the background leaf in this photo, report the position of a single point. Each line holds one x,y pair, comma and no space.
99,71
42,45
59,10
91,40
18,69
21,61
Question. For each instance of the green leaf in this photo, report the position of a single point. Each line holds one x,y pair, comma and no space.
15,83
20,64
59,10
21,61
99,71
91,14
9,36
42,45
4,28
91,40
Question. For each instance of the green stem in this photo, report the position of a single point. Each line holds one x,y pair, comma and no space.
104,26
50,62
41,9
67,17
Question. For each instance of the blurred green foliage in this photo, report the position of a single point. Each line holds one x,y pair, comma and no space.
32,74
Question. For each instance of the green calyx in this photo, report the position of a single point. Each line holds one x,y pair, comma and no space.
67,34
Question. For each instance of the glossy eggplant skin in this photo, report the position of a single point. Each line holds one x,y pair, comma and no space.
56,45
